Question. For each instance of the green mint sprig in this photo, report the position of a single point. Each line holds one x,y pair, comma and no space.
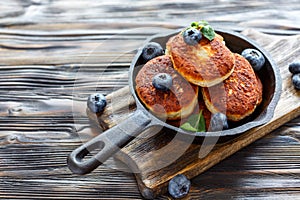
195,123
205,29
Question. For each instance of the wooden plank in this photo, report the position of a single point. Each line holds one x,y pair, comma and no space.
61,14
36,122
146,152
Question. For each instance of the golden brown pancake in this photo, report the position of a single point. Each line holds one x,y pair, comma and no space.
205,64
176,103
238,95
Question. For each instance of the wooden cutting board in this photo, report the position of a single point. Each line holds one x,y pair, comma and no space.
155,159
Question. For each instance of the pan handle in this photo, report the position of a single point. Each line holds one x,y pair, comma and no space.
107,143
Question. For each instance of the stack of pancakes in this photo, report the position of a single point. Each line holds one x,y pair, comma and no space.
227,81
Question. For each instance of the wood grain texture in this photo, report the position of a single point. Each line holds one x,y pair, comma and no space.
52,57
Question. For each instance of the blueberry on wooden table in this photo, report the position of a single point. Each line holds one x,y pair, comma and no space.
294,67
179,186
192,36
152,50
296,81
254,57
162,81
96,102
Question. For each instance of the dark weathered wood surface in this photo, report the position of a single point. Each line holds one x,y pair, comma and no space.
54,53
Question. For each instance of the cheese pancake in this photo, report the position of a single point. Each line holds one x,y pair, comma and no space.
237,96
205,64
176,103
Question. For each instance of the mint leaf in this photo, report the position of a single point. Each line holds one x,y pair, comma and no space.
202,23
195,123
188,127
195,24
208,32
201,124
193,120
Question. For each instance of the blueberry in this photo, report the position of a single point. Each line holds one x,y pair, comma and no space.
192,36
255,58
218,122
294,67
96,102
152,50
179,186
296,81
162,81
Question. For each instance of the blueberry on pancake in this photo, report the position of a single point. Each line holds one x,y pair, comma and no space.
237,96
205,64
177,102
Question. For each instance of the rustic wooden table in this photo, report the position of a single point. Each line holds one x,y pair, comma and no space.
53,54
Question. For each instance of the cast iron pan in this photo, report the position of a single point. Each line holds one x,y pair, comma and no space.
110,141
